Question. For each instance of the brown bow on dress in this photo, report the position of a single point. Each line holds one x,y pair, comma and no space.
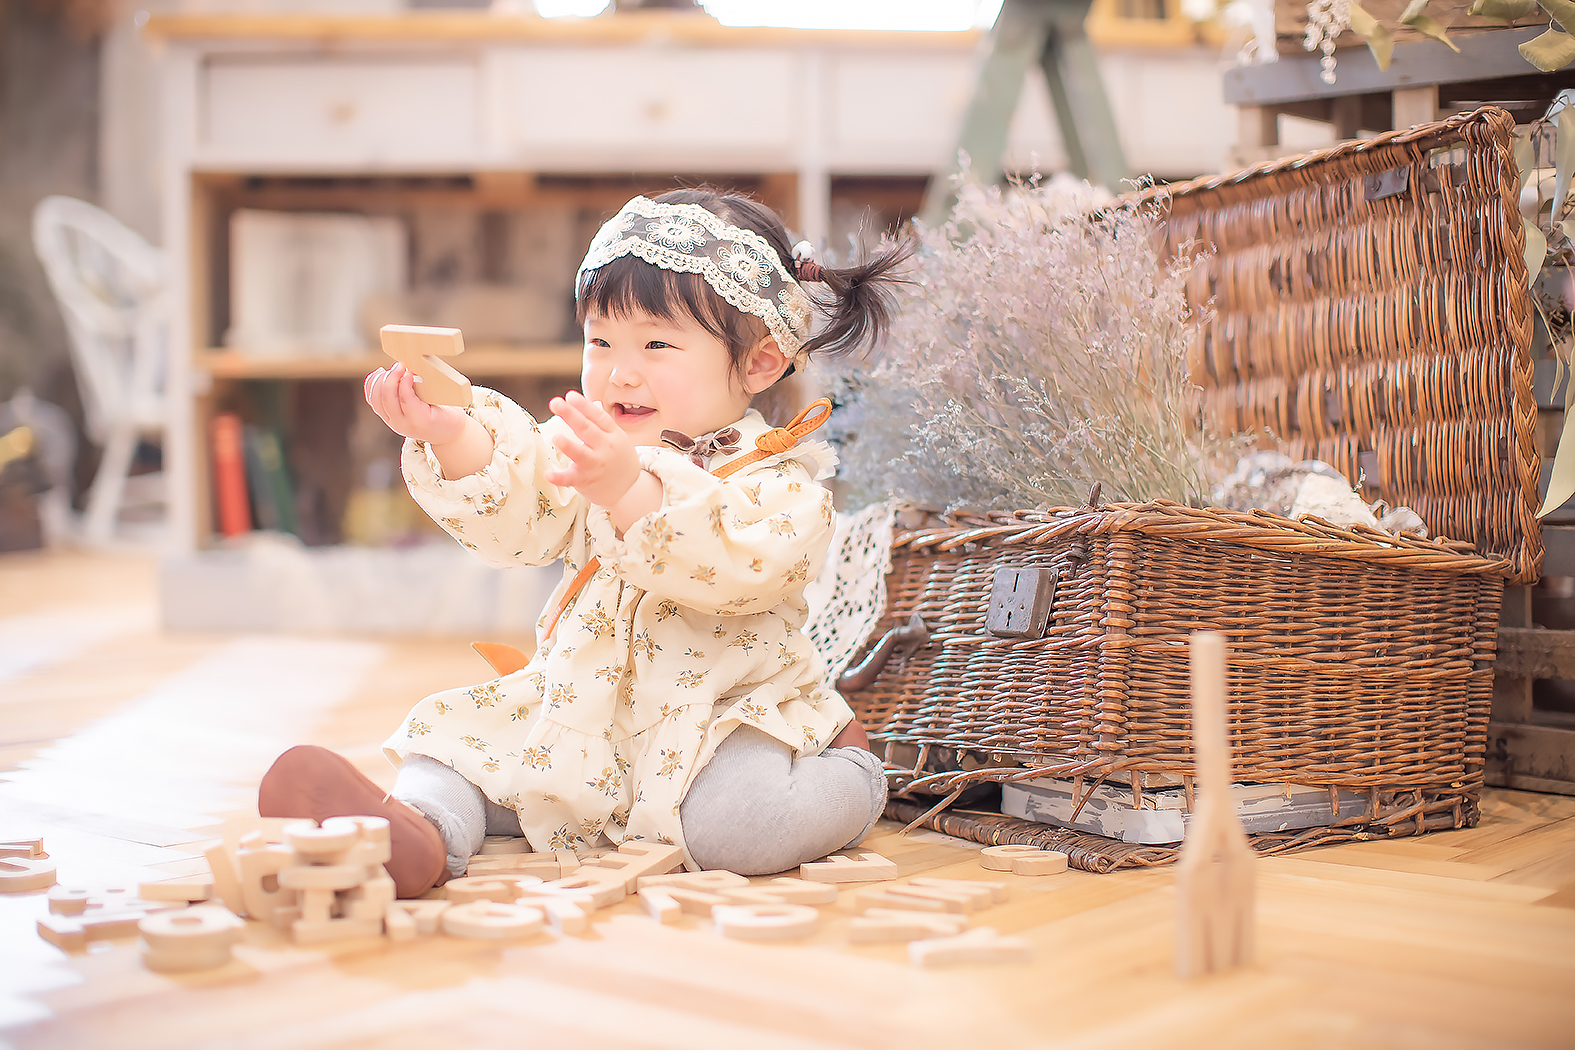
701,449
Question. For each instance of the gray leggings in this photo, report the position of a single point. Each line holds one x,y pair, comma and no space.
752,809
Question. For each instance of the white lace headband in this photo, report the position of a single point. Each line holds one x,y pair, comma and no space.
739,265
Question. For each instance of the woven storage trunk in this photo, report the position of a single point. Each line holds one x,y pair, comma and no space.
1370,307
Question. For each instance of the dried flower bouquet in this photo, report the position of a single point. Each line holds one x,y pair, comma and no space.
1041,348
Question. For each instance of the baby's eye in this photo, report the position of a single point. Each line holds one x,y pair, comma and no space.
657,344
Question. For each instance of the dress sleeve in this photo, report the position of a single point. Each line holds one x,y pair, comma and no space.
506,512
731,547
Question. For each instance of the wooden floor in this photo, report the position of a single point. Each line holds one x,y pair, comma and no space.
125,747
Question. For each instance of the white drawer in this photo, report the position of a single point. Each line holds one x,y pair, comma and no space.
646,107
896,111
340,110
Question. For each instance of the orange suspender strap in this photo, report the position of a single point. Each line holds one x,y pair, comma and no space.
773,442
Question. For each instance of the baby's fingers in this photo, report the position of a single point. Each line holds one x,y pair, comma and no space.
577,415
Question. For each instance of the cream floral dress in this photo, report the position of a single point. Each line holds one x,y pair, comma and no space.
690,629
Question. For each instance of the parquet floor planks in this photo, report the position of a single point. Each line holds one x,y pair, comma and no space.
126,747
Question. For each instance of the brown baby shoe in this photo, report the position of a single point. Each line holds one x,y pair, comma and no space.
311,781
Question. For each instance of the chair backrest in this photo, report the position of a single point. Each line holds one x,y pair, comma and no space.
110,285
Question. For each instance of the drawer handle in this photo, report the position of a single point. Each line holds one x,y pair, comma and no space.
913,635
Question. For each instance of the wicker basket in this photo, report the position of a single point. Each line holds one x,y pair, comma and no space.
1372,328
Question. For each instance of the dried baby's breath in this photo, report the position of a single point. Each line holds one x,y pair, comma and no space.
1041,348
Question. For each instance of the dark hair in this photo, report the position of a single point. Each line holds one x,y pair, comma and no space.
857,301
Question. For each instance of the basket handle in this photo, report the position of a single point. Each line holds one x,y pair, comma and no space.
913,635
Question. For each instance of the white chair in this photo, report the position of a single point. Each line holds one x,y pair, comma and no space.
111,286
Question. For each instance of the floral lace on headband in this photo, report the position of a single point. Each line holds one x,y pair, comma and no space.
738,264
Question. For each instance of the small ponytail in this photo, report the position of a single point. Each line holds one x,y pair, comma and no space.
859,305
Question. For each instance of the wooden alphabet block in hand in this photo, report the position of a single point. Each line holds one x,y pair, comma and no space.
1215,878
422,350
867,867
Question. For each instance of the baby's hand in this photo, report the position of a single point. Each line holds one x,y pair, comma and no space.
605,465
392,394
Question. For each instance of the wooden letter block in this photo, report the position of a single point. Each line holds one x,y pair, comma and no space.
322,844
68,900
661,902
370,900
705,881
599,889
797,891
508,844
189,890
226,883
542,865
322,876
880,925
425,916
950,900
565,914
308,931
261,891
1023,860
999,858
421,350
981,945
398,924
23,847
490,920
73,932
25,874
482,888
868,899
316,904
568,863
188,939
637,860
660,905
765,922
868,867
985,893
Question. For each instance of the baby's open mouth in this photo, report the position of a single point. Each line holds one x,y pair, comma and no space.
622,411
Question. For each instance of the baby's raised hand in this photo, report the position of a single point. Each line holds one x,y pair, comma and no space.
605,464
392,394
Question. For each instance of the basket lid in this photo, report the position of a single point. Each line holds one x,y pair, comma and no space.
1368,305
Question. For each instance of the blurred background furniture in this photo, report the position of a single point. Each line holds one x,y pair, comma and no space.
111,288
451,134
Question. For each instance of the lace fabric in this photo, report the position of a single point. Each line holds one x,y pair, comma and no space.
847,599
738,264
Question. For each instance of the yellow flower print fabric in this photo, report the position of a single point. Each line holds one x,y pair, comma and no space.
691,628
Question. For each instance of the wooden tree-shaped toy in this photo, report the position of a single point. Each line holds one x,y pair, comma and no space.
422,351
1214,878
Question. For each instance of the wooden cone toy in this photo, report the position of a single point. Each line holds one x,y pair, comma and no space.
1214,878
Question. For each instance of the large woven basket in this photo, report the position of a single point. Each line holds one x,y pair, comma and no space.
1386,332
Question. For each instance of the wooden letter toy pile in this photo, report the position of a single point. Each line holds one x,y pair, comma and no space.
326,882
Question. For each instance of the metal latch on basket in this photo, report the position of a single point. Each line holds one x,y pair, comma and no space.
1383,184
1020,601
